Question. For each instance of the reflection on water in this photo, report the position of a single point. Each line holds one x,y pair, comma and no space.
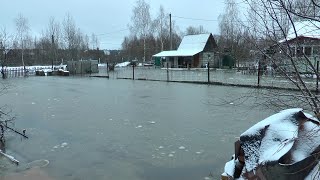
120,129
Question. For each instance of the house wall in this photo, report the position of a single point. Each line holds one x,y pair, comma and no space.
206,57
211,45
309,46
169,61
196,61
208,54
300,47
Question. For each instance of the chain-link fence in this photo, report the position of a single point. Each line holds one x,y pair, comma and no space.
212,76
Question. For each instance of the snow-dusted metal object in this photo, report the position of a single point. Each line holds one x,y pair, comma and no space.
285,145
11,158
5,121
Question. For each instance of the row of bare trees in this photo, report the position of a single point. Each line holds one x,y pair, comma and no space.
234,38
59,40
149,36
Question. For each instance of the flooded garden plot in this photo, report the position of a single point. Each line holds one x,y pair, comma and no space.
91,128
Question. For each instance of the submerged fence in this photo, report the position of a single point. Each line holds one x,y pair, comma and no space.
234,77
230,77
13,72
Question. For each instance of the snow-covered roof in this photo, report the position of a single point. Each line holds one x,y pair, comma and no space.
189,46
194,42
181,53
310,29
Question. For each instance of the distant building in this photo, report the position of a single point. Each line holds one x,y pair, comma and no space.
195,51
82,66
303,39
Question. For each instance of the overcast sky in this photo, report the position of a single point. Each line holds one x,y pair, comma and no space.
106,16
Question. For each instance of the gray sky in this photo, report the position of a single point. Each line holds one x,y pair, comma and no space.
105,16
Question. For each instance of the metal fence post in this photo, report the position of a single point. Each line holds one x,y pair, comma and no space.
208,73
167,71
132,71
259,73
107,69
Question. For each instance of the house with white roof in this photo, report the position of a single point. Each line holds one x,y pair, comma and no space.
194,51
304,39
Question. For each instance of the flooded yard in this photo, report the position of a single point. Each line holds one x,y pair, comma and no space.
91,128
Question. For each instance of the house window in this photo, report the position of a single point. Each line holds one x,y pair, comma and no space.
316,50
292,52
299,51
307,51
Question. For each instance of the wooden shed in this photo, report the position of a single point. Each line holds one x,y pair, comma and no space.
195,51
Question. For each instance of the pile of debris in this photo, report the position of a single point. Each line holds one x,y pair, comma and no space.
283,146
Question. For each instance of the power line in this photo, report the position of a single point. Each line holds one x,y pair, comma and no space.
112,32
109,43
236,3
194,18
211,20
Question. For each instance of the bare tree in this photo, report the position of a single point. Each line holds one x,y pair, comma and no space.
5,40
306,8
53,35
81,45
161,26
54,31
141,20
69,35
86,41
191,30
233,35
22,27
286,52
94,41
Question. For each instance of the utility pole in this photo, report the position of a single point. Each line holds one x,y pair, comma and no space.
52,40
170,32
208,72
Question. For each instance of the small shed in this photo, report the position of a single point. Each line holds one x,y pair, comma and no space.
82,66
194,51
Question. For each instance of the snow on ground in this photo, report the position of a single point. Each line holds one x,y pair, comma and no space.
102,65
229,168
123,64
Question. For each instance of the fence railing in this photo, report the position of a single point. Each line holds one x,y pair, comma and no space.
12,72
211,76
235,77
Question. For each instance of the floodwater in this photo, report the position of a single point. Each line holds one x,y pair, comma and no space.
95,128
